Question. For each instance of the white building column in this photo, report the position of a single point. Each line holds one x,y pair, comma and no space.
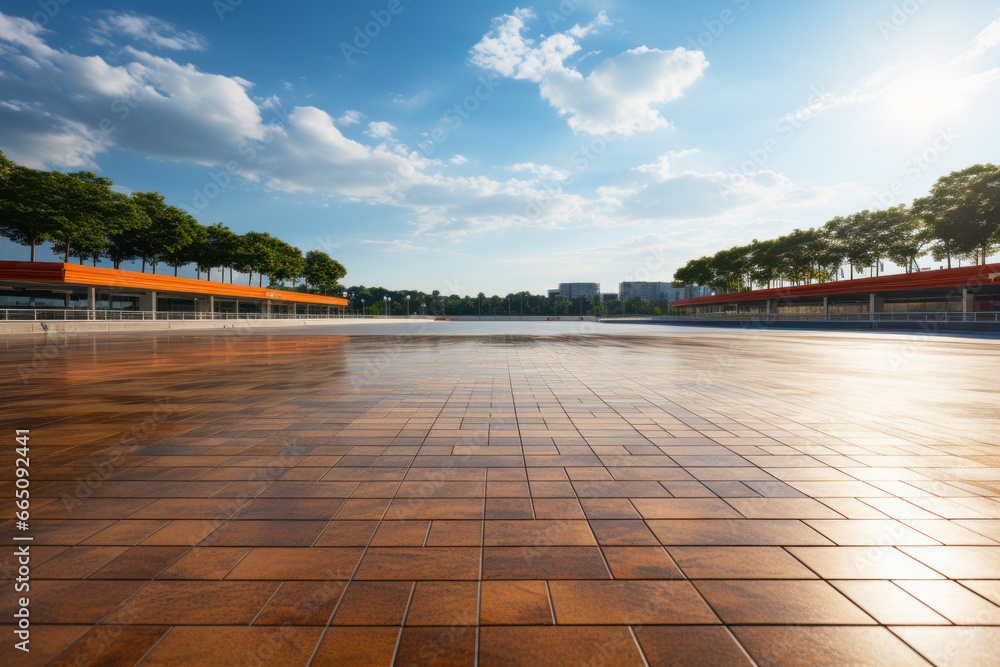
826,308
968,302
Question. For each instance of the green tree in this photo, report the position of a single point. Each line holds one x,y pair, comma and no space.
126,225
962,211
168,234
28,215
323,272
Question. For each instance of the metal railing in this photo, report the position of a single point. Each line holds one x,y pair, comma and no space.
78,314
990,316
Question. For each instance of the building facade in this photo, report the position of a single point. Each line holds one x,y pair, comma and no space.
659,291
576,290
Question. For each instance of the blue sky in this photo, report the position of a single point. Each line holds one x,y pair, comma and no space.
498,146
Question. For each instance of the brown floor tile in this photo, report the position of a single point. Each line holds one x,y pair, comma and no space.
265,534
959,562
205,563
290,509
544,563
825,646
444,603
889,604
628,603
953,601
538,532
450,645
455,534
500,646
684,508
738,563
401,534
302,603
46,643
515,603
140,563
780,602
641,563
366,646
421,563
609,508
743,532
111,645
72,602
622,532
871,533
257,645
195,603
953,646
374,603
509,508
282,563
347,534
76,562
684,645
862,563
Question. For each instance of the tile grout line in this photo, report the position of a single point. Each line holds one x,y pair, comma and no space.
402,624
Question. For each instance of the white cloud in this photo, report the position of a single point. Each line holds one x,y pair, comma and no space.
350,117
621,95
543,171
380,130
458,159
924,94
983,42
150,30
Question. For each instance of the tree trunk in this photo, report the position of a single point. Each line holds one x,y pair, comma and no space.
250,279
984,255
143,264
175,270
230,276
260,280
32,250
67,251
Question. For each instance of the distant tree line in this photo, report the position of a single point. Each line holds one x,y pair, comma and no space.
958,220
83,218
371,300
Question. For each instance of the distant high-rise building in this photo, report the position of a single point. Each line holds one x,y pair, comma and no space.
576,290
659,291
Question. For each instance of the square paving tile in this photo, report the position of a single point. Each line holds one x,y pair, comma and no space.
523,493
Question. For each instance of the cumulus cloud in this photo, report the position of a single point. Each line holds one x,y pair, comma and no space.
397,245
621,95
380,130
147,29
661,190
62,109
350,117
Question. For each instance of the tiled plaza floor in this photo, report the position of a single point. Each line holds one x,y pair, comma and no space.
548,494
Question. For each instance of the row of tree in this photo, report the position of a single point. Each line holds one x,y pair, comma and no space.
83,217
958,220
372,301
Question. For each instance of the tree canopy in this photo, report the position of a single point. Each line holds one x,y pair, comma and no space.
82,216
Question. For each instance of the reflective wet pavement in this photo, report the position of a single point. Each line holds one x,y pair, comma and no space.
507,493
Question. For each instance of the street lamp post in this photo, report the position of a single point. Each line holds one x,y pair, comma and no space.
407,305
362,307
